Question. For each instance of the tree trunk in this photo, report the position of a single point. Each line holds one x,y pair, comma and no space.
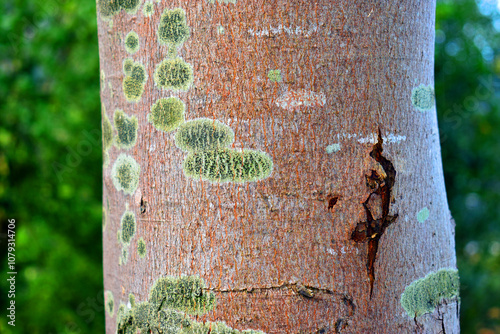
274,166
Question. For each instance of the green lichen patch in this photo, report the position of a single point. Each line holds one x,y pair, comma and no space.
173,29
107,132
251,331
217,327
171,299
110,303
185,294
131,299
138,73
108,8
148,9
104,218
130,6
123,257
141,248
422,215
167,114
422,97
125,174
203,134
126,128
274,75
105,159
227,165
132,89
122,314
147,318
132,42
141,315
134,80
174,74
425,294
128,65
127,227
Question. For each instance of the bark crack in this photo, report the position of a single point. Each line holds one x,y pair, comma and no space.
372,229
304,290
441,319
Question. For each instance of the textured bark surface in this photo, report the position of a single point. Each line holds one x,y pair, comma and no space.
278,253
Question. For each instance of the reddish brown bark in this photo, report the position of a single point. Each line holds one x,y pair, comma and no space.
279,253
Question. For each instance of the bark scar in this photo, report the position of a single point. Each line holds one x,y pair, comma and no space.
372,229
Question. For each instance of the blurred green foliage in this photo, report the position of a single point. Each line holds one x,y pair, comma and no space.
49,93
50,159
468,105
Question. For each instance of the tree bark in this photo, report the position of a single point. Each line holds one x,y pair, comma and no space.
354,210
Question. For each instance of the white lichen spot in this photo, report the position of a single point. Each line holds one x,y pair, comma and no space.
373,138
220,30
299,31
333,148
293,99
331,251
222,1
422,215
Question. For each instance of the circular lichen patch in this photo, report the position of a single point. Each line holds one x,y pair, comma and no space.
126,128
423,215
173,28
125,174
167,114
108,8
110,303
130,6
132,89
128,65
141,248
274,75
132,42
148,9
174,74
134,80
422,97
127,227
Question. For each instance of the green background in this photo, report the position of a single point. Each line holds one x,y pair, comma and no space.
50,109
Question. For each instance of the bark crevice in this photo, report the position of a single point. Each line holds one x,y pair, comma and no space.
372,229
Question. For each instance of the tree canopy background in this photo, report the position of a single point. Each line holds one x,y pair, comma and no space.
51,159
